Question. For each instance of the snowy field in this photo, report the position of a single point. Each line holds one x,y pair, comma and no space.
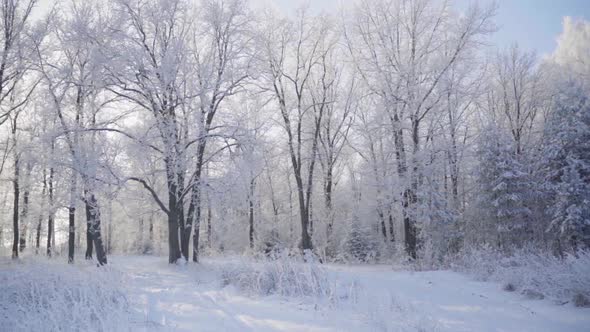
141,293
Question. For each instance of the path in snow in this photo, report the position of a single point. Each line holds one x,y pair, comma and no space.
190,298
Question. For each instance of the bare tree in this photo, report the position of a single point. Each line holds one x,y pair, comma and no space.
516,93
221,55
394,44
295,51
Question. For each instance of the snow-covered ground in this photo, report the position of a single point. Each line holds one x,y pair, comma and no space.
202,297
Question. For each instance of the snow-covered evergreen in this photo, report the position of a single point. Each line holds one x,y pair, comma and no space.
566,166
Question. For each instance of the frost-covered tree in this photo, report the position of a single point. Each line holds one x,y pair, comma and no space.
402,50
566,165
295,58
504,190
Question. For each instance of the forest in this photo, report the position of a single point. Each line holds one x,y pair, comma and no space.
390,132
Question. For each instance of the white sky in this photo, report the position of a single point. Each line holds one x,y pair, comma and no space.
534,24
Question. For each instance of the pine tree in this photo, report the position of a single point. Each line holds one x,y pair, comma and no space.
505,192
566,165
360,244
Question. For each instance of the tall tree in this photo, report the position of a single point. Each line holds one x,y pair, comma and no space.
566,165
221,53
402,49
295,51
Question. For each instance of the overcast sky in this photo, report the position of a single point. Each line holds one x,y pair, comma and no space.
534,24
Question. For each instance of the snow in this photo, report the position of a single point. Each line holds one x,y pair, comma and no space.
163,297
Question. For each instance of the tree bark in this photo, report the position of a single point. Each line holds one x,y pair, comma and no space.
194,210
195,217
174,252
71,233
89,244
23,221
15,211
182,223
38,235
391,230
209,217
51,212
251,214
72,219
95,230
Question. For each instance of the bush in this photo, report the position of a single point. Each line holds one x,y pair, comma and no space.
46,296
283,275
301,277
541,274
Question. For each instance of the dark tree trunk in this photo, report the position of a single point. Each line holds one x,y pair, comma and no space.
38,236
151,230
23,222
391,230
50,221
310,213
89,243
173,243
110,228
71,233
328,202
209,217
410,230
306,243
194,210
174,252
95,229
251,214
50,234
382,221
15,225
182,223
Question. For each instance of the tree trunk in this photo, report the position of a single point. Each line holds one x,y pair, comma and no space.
410,231
195,216
151,230
50,219
328,202
184,235
110,228
209,217
310,214
23,222
15,225
382,221
194,210
89,244
71,233
72,219
391,230
38,235
95,230
173,240
251,214
305,243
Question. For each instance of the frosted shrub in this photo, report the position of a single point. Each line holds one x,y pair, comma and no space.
284,275
56,297
302,277
562,280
